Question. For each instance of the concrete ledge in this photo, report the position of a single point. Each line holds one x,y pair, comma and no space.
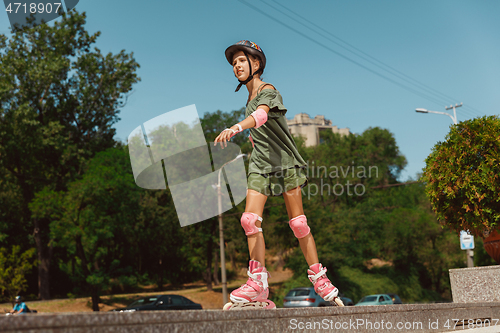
476,284
407,318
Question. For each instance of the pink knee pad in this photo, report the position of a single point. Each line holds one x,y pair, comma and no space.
248,223
299,226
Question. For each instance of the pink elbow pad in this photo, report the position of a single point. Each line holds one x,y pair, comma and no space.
260,117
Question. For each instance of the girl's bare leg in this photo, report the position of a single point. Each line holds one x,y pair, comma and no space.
293,202
256,246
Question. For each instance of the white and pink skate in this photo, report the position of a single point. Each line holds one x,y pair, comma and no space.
254,293
323,286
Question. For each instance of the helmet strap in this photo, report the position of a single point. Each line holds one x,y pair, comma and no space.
249,78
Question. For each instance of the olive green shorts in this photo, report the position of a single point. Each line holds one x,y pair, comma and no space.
275,183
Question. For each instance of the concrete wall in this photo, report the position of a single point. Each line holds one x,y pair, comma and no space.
410,318
310,133
475,284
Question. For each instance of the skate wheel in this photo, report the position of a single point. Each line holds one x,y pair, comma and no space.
227,306
337,302
268,304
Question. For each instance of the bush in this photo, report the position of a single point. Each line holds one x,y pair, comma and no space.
462,176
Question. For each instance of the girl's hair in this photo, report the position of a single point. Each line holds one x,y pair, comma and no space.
260,71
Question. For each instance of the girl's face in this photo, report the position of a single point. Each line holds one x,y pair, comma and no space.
241,67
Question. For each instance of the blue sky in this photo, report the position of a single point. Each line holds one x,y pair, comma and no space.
450,46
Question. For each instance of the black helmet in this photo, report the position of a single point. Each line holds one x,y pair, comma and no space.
247,47
18,299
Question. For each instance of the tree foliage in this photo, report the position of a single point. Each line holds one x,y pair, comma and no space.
59,98
463,176
95,220
13,269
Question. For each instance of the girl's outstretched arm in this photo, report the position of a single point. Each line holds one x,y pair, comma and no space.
228,133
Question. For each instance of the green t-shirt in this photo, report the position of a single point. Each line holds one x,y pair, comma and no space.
274,148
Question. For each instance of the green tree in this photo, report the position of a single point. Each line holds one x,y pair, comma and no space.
13,269
215,122
462,176
416,244
59,98
11,230
375,148
95,221
159,240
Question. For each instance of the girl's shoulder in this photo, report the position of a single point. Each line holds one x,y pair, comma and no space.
264,91
265,85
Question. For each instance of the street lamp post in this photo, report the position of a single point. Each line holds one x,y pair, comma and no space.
221,235
470,253
454,117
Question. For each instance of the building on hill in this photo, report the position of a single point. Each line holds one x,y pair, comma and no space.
303,125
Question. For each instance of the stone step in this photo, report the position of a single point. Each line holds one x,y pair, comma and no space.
385,318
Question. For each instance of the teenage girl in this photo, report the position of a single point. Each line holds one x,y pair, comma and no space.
275,168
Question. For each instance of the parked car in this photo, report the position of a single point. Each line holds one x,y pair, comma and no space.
378,299
161,302
395,299
307,297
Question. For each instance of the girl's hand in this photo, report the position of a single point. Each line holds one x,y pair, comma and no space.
223,137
